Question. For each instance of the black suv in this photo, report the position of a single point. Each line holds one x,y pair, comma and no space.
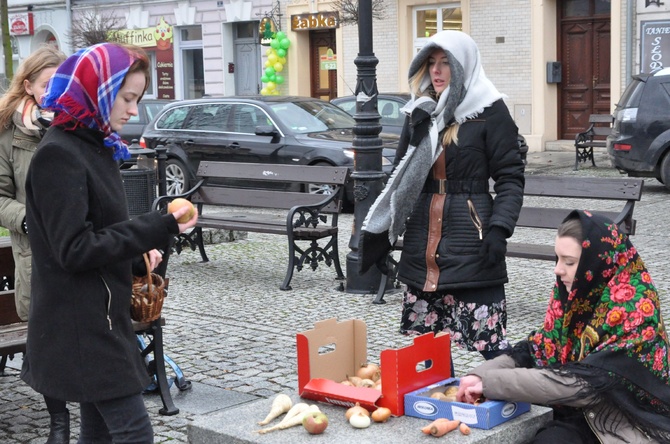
640,141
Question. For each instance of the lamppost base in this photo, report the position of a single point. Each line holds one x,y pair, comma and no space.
366,283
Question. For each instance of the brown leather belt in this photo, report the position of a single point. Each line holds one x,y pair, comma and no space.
439,175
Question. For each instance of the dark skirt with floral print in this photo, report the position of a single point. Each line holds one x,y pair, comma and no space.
475,318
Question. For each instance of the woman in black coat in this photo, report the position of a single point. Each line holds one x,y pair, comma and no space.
81,344
459,135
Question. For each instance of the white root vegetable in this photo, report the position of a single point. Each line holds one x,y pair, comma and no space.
292,421
281,404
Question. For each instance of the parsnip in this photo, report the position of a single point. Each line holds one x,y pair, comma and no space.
292,421
281,404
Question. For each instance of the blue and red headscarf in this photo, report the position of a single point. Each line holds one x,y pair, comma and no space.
83,90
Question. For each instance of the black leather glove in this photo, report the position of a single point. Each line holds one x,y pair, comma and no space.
494,246
373,248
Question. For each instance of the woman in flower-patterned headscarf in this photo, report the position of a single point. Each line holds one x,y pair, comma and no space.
601,357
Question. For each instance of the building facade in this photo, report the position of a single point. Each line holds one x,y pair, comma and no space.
557,61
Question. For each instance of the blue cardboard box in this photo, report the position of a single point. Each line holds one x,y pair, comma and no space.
486,415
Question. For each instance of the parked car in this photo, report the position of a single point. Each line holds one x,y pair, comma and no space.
388,106
147,109
639,144
259,129
392,119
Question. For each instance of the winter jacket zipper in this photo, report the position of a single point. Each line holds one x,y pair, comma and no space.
109,301
476,221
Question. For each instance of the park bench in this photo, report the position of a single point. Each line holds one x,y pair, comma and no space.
600,126
547,201
303,218
13,331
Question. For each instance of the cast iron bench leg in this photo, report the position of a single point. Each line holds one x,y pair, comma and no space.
201,243
169,408
286,285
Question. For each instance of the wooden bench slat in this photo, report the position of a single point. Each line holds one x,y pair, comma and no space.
550,217
531,251
277,173
584,187
246,197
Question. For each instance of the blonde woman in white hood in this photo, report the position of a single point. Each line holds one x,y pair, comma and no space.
458,134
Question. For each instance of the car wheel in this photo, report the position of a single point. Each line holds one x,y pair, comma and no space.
176,177
665,170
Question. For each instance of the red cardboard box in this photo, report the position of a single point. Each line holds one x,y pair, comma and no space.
486,415
334,350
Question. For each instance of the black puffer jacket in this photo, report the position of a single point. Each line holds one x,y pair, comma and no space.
487,148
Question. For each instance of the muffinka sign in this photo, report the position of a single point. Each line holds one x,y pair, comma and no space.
655,45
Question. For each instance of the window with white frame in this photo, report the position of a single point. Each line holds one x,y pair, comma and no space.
432,19
191,59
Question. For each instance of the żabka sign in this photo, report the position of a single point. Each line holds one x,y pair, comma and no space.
319,20
21,24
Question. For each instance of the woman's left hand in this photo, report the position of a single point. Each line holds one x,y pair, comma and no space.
155,258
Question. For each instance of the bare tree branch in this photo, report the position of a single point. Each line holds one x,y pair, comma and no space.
93,26
349,11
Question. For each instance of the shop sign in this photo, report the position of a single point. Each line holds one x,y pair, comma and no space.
159,36
21,24
655,45
159,39
328,61
318,20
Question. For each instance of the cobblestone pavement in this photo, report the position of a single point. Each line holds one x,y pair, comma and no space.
230,328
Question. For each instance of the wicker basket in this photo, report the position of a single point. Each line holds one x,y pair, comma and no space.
148,295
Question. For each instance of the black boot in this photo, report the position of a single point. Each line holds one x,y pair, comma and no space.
59,432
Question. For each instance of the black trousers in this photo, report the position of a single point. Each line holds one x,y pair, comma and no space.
122,420
570,428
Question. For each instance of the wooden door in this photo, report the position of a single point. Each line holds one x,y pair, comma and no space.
323,80
584,48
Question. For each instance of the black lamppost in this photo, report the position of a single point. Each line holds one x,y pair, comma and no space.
367,147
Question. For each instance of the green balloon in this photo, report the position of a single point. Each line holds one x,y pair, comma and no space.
279,79
285,43
265,79
273,78
269,71
274,44
281,52
280,35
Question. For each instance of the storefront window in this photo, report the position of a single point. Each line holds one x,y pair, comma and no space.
193,72
430,20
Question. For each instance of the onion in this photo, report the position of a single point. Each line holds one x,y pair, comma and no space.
357,409
360,421
355,380
369,383
382,414
369,371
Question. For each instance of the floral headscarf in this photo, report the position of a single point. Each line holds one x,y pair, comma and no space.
608,329
83,90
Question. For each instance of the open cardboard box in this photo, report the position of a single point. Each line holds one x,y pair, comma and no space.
486,415
334,350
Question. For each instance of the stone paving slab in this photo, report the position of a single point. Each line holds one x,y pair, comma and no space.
238,426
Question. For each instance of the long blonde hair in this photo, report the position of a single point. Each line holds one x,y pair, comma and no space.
451,133
30,69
